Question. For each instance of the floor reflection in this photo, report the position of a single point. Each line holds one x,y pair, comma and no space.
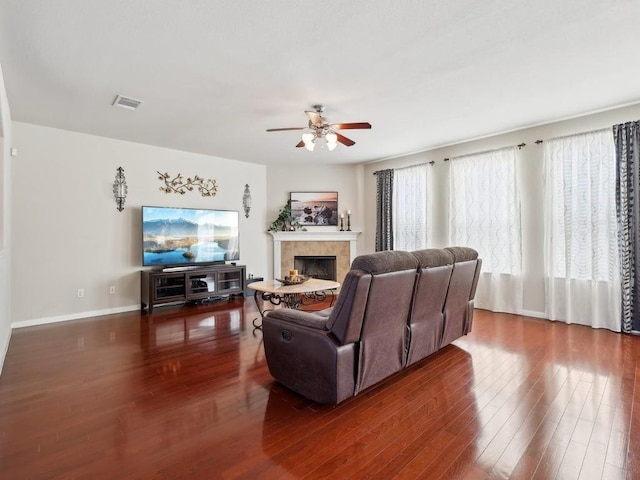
175,395
427,405
160,333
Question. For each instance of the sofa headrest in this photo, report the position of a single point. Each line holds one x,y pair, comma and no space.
385,262
463,254
433,257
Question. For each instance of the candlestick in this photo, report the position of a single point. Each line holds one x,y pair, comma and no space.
348,220
341,223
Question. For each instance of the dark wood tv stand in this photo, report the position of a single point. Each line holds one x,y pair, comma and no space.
160,287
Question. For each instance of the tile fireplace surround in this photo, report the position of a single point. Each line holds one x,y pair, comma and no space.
287,245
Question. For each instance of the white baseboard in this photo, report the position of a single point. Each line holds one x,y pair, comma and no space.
4,348
74,316
524,313
534,314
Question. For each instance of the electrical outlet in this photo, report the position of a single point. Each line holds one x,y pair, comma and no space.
112,290
80,293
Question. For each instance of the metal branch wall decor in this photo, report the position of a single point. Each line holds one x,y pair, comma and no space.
178,184
120,189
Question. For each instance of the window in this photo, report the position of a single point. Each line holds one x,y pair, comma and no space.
410,204
485,215
485,209
581,246
580,179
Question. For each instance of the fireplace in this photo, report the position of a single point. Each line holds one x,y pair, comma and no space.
322,267
287,245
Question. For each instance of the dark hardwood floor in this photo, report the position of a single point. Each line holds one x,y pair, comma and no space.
185,393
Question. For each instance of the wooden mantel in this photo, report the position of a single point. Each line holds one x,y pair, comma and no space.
310,236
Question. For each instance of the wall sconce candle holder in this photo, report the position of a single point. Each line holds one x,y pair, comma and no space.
246,200
120,189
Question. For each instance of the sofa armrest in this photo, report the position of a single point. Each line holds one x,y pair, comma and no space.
316,320
309,361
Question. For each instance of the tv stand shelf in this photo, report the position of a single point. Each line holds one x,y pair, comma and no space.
161,287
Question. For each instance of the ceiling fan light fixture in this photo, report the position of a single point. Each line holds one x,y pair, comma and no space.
309,140
307,137
320,130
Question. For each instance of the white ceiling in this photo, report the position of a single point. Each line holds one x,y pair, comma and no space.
214,75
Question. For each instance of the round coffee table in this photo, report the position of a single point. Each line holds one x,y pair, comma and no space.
291,296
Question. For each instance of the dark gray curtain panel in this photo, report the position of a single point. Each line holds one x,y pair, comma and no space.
627,140
384,210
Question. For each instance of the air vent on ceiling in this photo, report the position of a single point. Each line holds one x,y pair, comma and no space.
126,102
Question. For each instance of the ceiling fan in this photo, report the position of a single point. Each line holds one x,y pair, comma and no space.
319,128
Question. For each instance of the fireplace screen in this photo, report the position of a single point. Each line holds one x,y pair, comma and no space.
321,267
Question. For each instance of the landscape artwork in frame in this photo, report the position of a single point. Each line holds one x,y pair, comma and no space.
315,208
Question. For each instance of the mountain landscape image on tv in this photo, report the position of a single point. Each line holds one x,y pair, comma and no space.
188,236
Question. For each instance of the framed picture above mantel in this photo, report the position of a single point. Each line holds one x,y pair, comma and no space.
315,208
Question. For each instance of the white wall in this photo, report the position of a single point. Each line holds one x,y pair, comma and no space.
63,231
5,222
310,176
67,233
530,183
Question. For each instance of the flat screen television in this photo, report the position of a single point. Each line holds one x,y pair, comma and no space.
188,236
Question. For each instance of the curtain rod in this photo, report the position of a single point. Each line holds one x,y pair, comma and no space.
408,166
598,130
520,146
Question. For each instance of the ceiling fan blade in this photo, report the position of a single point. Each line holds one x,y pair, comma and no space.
282,129
351,126
300,144
314,117
344,140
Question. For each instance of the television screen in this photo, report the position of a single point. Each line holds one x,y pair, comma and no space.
188,236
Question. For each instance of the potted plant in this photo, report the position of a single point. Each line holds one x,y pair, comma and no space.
285,221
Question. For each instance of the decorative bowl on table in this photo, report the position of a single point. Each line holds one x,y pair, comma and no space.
292,279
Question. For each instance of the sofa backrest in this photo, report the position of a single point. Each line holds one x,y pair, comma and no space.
383,337
458,311
426,322
345,321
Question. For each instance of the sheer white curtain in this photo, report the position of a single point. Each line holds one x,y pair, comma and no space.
410,204
485,215
582,277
